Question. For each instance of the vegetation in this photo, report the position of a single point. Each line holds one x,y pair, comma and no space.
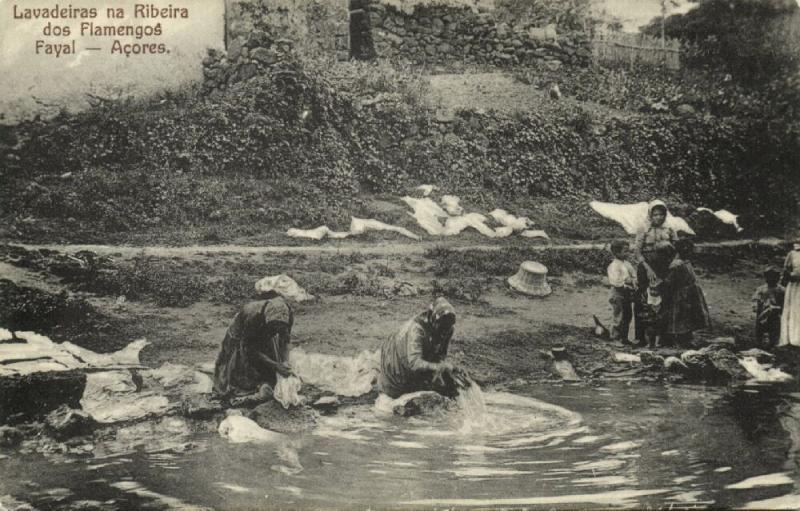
305,144
752,39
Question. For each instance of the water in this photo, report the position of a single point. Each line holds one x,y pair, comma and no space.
615,445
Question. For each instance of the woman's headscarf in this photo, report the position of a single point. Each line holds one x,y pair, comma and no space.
439,309
277,310
657,203
441,318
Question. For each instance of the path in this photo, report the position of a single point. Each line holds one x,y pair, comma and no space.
500,92
377,249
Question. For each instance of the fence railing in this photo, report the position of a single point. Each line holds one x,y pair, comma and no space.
636,48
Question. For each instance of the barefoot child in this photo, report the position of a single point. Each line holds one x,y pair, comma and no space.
685,308
768,306
622,278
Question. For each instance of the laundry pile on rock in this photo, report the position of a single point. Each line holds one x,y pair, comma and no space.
445,219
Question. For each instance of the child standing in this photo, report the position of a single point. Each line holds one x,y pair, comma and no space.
685,308
768,306
790,319
622,278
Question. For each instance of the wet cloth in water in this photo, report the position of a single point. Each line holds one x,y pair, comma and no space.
252,336
409,356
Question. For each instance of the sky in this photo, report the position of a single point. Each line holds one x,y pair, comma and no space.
65,80
635,13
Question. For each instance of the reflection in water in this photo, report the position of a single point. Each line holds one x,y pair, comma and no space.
632,446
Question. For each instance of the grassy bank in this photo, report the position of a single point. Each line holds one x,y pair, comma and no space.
308,145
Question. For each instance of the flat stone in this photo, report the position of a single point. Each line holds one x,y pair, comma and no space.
727,366
30,396
675,365
265,56
66,422
273,416
761,356
200,407
10,436
326,404
235,48
651,359
419,403
565,370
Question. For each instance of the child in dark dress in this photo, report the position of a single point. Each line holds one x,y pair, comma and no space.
768,306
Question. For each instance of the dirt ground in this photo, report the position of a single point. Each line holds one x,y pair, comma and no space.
500,336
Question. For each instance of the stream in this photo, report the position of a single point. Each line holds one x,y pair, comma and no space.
614,445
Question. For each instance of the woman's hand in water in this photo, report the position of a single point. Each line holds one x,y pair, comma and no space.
441,369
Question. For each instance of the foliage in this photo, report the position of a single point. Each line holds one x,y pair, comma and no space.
23,308
752,39
294,149
462,288
567,14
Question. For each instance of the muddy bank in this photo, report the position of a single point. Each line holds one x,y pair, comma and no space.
183,303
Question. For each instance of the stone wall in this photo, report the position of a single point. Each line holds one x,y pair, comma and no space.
444,34
259,33
244,59
318,27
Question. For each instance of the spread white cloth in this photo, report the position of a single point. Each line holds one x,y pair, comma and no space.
450,220
39,353
357,226
725,217
633,217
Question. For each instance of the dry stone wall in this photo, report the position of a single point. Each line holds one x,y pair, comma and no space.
259,33
445,34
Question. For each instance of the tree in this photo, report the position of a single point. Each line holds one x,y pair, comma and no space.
750,39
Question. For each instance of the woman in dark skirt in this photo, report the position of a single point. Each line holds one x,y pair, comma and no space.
685,308
256,347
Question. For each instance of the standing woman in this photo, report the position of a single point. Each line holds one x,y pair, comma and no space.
645,251
790,320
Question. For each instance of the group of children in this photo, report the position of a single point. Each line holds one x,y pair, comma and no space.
663,299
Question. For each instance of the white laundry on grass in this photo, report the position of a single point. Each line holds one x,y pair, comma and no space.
725,217
447,219
634,217
451,205
358,226
450,220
